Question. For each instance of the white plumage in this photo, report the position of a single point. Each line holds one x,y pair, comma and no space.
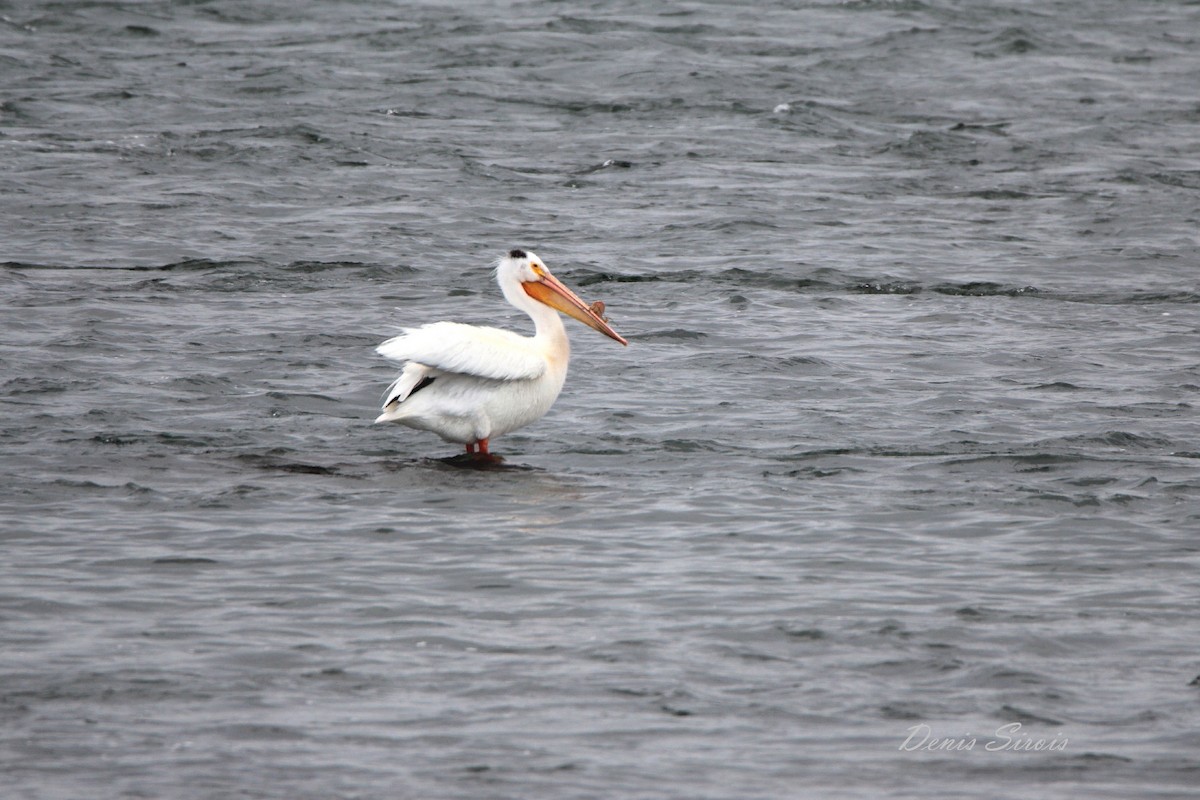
469,349
469,384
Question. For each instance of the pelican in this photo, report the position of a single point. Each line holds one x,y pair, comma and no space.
470,384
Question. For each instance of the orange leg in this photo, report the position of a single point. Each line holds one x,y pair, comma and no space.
477,453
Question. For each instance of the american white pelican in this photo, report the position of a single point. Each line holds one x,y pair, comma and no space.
470,384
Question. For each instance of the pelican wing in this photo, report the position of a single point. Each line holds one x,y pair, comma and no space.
413,379
468,350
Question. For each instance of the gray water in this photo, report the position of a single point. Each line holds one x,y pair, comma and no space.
904,448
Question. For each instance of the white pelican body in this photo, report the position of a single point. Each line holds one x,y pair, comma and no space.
469,384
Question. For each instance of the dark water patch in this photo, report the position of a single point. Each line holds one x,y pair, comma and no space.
17,387
1183,179
807,634
1081,501
128,488
732,226
199,385
239,279
587,25
805,280
96,687
747,654
154,286
316,267
1030,461
673,335
806,455
1010,713
983,289
674,709
1092,480
27,266
184,561
755,363
1131,298
828,280
38,606
997,128
832,280
155,438
925,451
632,105
181,439
1009,678
303,133
1123,440
587,109
818,280
476,462
765,279
231,497
890,6
599,451
814,472
292,396
187,265
607,164
1150,411
690,446
1015,41
1065,455
1090,761
885,288
1140,57
273,463
1002,194
259,732
907,711
687,31
928,144
802,362
814,120
589,278
1056,386
116,439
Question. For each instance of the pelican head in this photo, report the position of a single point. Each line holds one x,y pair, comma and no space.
522,275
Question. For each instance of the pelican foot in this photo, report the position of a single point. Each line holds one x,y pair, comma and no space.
475,461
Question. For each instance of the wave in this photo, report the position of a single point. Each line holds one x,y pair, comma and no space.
243,273
827,281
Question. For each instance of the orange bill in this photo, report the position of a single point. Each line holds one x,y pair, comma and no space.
551,291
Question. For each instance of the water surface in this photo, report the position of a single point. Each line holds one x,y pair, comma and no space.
905,434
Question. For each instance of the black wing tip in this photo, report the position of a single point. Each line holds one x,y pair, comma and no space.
421,385
517,252
395,400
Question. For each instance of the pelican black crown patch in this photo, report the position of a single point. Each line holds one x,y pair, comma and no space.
518,253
